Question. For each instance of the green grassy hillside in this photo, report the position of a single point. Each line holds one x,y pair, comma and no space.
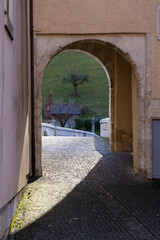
94,94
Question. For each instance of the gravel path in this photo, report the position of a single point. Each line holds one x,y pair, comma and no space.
87,193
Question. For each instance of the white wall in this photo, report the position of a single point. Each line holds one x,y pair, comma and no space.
105,128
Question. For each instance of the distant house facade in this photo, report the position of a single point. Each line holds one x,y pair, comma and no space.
64,114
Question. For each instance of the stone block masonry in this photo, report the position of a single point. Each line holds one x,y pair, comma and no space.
7,214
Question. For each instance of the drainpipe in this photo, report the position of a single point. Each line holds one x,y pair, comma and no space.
32,92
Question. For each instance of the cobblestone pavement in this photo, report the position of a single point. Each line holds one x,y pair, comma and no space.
87,193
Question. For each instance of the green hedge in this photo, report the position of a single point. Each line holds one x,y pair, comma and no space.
85,123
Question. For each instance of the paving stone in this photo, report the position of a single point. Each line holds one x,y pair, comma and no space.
89,193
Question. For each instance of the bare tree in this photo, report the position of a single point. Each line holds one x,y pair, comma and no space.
65,111
76,79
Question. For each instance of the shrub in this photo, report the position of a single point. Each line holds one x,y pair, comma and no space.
85,123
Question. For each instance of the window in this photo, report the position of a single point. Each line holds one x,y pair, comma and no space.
8,18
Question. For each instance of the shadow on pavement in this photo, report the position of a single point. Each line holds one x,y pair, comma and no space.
111,203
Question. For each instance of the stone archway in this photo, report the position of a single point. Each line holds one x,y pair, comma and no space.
124,56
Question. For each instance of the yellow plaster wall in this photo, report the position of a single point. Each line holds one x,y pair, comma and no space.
123,105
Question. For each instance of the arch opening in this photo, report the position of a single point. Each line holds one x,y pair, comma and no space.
93,97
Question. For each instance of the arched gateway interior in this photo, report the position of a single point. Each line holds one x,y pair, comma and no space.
124,95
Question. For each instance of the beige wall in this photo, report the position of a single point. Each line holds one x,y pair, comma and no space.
105,16
94,16
14,100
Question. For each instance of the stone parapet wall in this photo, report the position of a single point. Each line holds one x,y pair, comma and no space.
51,130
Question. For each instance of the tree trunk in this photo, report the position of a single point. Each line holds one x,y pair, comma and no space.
75,91
62,122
